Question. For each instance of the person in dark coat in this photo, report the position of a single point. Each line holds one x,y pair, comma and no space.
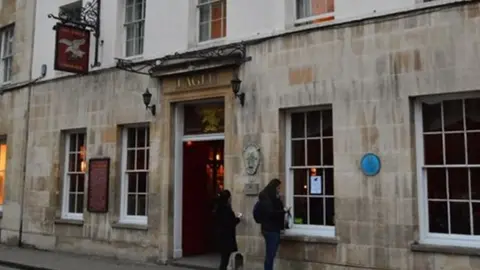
226,223
273,220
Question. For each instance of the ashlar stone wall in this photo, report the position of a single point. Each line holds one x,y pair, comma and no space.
13,109
368,71
99,103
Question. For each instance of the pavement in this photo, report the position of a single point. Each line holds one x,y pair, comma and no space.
30,259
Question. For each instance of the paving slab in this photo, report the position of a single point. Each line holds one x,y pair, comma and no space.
31,259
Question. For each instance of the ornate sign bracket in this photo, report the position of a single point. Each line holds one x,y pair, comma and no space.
89,19
234,53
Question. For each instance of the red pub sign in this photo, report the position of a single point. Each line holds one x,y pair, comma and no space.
72,49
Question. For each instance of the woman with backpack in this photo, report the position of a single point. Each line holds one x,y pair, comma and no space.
270,213
227,222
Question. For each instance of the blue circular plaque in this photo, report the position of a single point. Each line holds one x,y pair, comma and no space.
370,164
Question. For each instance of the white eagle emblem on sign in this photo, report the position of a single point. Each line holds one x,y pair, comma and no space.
73,48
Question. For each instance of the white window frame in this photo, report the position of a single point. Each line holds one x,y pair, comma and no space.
136,51
3,140
7,34
297,229
66,180
426,237
124,217
210,39
310,18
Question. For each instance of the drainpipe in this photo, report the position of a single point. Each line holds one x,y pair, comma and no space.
27,125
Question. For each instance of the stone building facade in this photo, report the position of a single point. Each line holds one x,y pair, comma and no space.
16,30
370,86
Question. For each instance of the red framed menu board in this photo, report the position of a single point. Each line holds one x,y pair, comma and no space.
98,185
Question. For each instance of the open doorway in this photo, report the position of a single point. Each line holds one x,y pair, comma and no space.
203,179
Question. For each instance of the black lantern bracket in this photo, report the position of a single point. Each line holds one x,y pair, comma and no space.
147,98
236,83
89,19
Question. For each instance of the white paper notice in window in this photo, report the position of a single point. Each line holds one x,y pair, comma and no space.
315,184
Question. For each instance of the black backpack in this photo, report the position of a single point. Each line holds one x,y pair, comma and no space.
257,213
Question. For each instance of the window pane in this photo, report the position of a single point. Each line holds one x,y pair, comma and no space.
475,183
328,182
300,183
142,182
73,183
436,184
460,218
316,211
131,159
327,127
432,117
128,14
303,8
330,211
330,5
204,13
141,137
80,142
3,157
73,143
472,113
313,124
81,183
298,153
458,183
298,125
319,7
327,151
216,29
71,203
204,32
2,186
131,137
473,144
476,218
140,161
300,210
147,159
139,11
438,217
314,151
455,148
433,149
132,183
71,162
131,204
79,205
204,118
453,115
142,205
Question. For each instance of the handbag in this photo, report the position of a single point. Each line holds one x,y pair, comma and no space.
288,219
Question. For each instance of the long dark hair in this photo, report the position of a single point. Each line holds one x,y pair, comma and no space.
270,191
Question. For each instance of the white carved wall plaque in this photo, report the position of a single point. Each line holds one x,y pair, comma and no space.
251,158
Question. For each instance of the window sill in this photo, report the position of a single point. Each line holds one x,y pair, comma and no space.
130,226
211,42
310,239
448,250
315,19
63,221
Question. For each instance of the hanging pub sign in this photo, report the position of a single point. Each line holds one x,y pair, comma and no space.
72,49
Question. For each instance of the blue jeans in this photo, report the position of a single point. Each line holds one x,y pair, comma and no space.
272,241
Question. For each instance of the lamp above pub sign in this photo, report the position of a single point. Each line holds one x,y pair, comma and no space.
72,49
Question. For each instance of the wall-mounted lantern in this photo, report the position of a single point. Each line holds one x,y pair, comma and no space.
147,98
236,82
